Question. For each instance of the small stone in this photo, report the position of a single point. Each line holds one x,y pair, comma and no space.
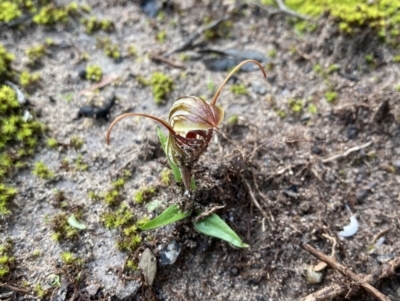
148,265
254,282
352,132
385,258
82,73
362,195
259,88
170,253
126,290
92,289
316,150
291,191
234,271
396,165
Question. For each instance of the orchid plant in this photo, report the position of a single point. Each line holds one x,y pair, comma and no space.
190,128
191,124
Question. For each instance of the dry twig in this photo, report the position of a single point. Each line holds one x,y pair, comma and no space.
336,290
14,288
104,82
346,153
189,41
254,200
159,58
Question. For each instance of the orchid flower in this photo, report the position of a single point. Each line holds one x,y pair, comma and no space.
190,127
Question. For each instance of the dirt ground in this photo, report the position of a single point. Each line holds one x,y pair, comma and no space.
302,165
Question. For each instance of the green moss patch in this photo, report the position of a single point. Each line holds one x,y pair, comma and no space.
162,85
382,15
18,139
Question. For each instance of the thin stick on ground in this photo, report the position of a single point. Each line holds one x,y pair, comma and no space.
336,290
346,153
14,288
254,200
191,39
345,271
271,219
161,59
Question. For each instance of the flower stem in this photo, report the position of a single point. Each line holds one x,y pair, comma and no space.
214,99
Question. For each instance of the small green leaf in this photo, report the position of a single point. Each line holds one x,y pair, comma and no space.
214,226
73,222
168,216
175,169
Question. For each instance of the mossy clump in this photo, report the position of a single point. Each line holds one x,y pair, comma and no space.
62,230
296,105
18,139
122,217
233,120
69,258
27,79
142,81
161,36
222,30
6,259
50,15
39,291
9,11
76,142
113,196
132,51
144,194
93,24
111,50
94,73
5,63
7,194
35,53
123,220
162,85
42,171
80,164
312,108
281,113
239,89
52,142
331,96
380,15
166,177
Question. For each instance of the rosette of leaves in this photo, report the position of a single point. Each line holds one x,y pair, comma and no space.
191,124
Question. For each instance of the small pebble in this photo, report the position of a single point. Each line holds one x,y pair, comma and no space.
316,150
234,271
259,88
170,253
351,132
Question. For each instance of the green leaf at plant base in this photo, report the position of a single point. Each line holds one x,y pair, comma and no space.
73,222
214,226
175,169
168,216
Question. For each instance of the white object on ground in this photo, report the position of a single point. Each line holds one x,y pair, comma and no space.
350,229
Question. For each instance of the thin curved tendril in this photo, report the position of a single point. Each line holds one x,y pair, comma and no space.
214,99
164,123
